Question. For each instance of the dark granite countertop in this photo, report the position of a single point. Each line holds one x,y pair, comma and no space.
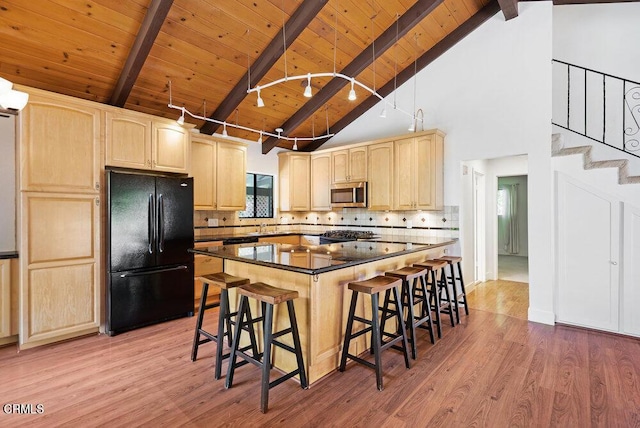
252,235
8,255
314,259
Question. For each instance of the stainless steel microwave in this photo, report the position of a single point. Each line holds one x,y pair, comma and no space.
349,195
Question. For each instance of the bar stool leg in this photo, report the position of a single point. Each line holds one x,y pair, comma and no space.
234,346
196,338
436,302
444,286
222,318
403,329
454,288
464,292
266,358
296,344
375,338
426,308
347,336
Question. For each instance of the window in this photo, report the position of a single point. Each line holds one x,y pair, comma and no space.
259,196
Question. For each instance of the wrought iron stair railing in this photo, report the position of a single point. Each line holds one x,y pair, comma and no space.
598,106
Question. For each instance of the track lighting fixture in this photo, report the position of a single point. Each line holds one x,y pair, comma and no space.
260,138
224,130
10,98
307,90
181,118
295,143
352,92
259,101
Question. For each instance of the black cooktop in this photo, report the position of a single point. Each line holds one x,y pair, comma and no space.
347,235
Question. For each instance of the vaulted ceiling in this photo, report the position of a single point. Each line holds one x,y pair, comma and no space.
125,53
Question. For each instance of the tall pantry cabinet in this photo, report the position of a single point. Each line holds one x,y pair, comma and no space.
60,154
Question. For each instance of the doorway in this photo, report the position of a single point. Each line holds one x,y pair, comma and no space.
512,228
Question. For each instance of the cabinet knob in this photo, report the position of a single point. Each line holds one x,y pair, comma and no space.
97,201
613,263
97,186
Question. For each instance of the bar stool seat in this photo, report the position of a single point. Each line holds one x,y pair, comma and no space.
459,296
373,287
268,296
438,286
413,294
225,317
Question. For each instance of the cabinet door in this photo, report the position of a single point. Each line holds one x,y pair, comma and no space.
358,164
60,146
321,182
203,155
300,183
404,174
425,166
128,140
60,264
340,166
381,183
631,279
170,148
231,173
5,298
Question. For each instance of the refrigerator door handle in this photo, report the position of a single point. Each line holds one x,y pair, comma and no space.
149,272
161,223
150,223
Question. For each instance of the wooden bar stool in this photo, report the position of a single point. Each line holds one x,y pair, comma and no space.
438,286
459,296
412,295
373,287
268,296
225,317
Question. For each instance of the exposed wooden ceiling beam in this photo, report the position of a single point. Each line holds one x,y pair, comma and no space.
304,14
509,8
147,34
427,58
413,16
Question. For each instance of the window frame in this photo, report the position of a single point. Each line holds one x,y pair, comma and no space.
255,175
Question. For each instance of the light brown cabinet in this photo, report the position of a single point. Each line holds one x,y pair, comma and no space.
295,180
205,265
60,145
219,172
135,140
59,290
381,183
321,182
418,173
349,165
5,299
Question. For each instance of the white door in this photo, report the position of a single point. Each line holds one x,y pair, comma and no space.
631,292
588,240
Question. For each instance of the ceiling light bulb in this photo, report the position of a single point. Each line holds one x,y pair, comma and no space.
181,118
224,130
5,85
260,102
352,92
307,90
295,144
14,100
383,113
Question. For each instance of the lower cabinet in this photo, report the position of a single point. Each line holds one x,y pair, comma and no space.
60,266
8,301
205,265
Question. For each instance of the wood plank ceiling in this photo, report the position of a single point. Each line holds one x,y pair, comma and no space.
125,53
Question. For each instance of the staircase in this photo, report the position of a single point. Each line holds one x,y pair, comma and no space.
601,109
558,149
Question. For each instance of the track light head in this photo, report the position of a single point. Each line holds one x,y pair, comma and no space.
224,130
259,101
295,144
307,91
352,92
181,118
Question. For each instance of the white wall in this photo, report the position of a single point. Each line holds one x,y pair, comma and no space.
491,95
7,183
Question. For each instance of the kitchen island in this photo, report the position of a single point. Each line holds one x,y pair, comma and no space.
320,274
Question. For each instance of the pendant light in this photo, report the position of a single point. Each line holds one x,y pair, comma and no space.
307,90
352,92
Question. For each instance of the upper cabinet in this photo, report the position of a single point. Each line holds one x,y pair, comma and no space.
219,170
381,183
349,165
135,140
295,180
321,182
60,145
418,172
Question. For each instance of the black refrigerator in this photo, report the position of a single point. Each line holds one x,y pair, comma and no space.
149,233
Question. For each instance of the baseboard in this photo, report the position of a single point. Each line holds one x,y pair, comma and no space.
542,317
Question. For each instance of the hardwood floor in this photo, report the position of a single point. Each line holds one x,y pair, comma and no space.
501,297
491,370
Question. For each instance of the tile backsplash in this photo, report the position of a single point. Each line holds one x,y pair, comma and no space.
444,223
